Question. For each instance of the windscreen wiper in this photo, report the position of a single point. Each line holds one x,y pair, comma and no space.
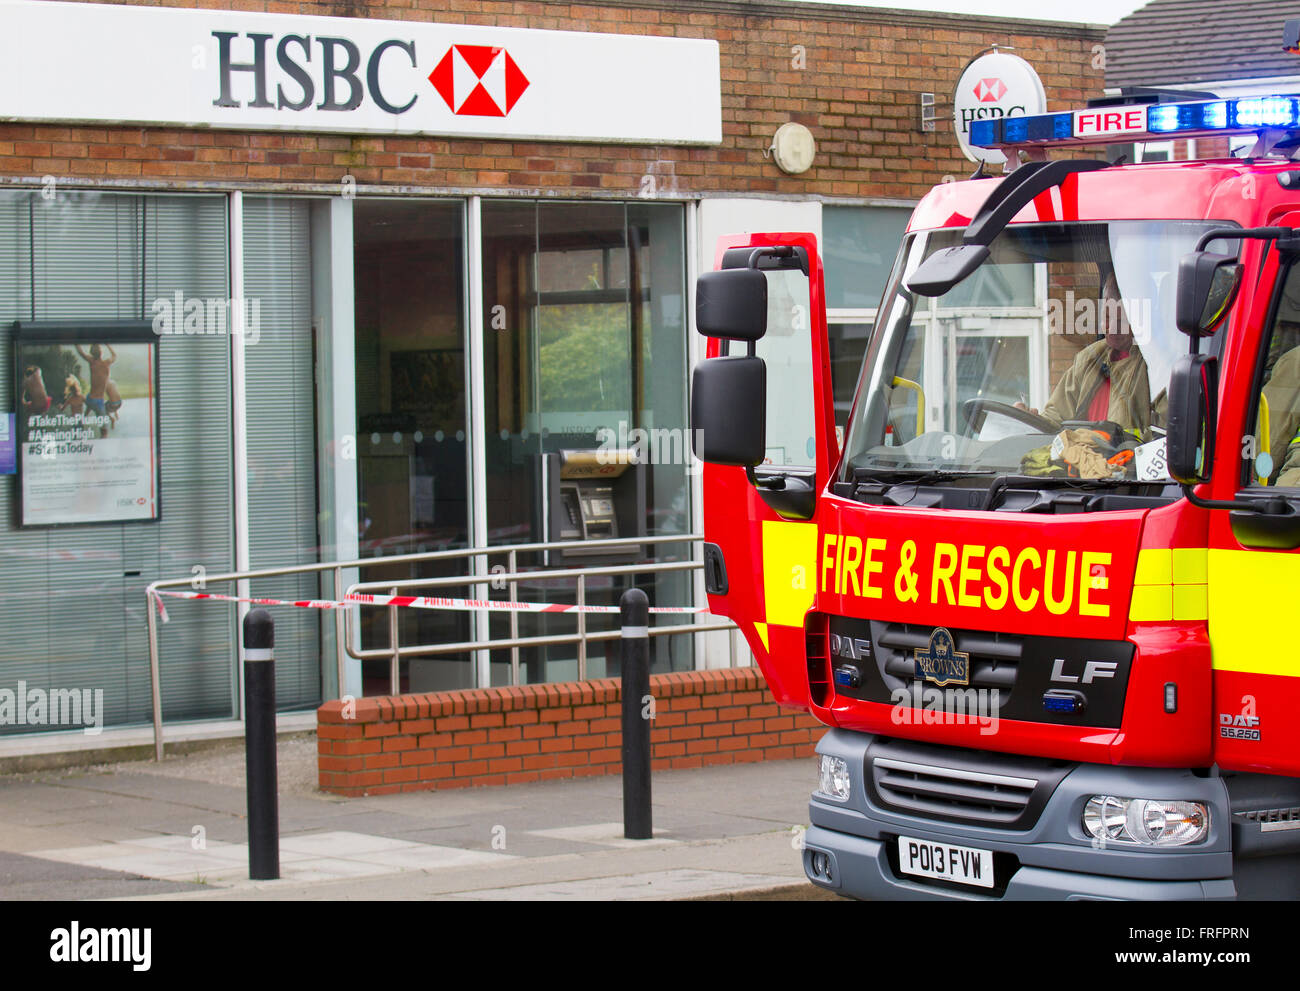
916,476
877,485
1040,482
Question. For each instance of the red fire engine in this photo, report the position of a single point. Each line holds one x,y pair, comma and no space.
1041,588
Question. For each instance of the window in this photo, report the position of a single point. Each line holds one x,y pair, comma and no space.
858,248
74,595
412,422
584,349
1273,450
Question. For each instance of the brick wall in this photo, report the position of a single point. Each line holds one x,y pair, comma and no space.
500,736
853,75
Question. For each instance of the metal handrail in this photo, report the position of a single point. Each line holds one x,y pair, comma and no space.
343,619
394,651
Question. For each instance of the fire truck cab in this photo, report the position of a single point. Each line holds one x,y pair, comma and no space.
1040,588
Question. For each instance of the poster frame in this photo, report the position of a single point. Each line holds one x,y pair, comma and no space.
110,331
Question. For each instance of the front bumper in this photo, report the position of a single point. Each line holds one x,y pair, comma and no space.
851,846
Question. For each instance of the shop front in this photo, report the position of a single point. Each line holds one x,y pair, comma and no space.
368,284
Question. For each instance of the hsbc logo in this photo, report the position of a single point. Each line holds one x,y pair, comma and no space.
478,81
299,72
990,90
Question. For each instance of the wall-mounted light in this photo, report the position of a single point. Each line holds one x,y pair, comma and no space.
792,147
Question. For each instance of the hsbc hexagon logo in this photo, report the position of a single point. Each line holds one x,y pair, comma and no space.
990,90
478,81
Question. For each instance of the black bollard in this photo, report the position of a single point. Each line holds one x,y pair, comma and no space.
634,617
259,746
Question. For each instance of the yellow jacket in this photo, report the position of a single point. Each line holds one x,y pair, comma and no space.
1282,393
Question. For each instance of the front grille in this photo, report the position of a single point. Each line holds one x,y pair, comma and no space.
999,790
997,798
1008,674
994,657
818,654
1270,820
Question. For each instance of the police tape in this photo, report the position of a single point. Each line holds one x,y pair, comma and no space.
415,602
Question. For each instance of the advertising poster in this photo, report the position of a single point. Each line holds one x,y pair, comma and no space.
87,422
8,445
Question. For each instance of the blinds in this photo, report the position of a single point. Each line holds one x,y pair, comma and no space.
72,598
278,367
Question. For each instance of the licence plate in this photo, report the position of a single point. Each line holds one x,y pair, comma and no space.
945,862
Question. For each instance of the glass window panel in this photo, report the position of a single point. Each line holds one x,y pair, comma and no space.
787,350
858,247
1274,448
98,255
848,343
281,402
584,349
1104,334
411,418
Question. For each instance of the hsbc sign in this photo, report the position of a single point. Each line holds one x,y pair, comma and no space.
994,85
243,71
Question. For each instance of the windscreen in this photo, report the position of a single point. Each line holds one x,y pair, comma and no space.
1051,360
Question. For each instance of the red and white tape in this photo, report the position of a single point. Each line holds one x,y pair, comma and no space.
416,602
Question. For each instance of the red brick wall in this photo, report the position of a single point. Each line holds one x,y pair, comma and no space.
500,736
853,75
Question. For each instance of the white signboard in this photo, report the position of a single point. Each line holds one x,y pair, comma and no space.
81,62
994,85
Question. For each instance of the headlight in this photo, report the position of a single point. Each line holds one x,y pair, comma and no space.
1145,821
834,776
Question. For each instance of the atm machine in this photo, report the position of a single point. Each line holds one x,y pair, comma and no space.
586,495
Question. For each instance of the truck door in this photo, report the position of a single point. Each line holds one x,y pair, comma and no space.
1253,563
760,568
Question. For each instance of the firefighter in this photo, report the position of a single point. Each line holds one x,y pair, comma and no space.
1108,379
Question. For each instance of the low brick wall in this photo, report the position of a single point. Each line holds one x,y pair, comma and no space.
502,736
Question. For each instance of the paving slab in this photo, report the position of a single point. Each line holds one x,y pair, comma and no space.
721,831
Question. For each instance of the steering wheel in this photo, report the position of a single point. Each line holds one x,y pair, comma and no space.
972,408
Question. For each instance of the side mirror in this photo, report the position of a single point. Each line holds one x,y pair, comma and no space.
732,303
1207,285
729,410
945,268
1193,416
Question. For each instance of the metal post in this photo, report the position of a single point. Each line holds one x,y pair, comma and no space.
634,617
514,619
155,688
340,634
259,746
582,628
395,662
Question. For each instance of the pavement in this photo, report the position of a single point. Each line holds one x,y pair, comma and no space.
177,831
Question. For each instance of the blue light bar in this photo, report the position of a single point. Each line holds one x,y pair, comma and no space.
1265,111
1166,118
1125,123
985,133
1044,127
